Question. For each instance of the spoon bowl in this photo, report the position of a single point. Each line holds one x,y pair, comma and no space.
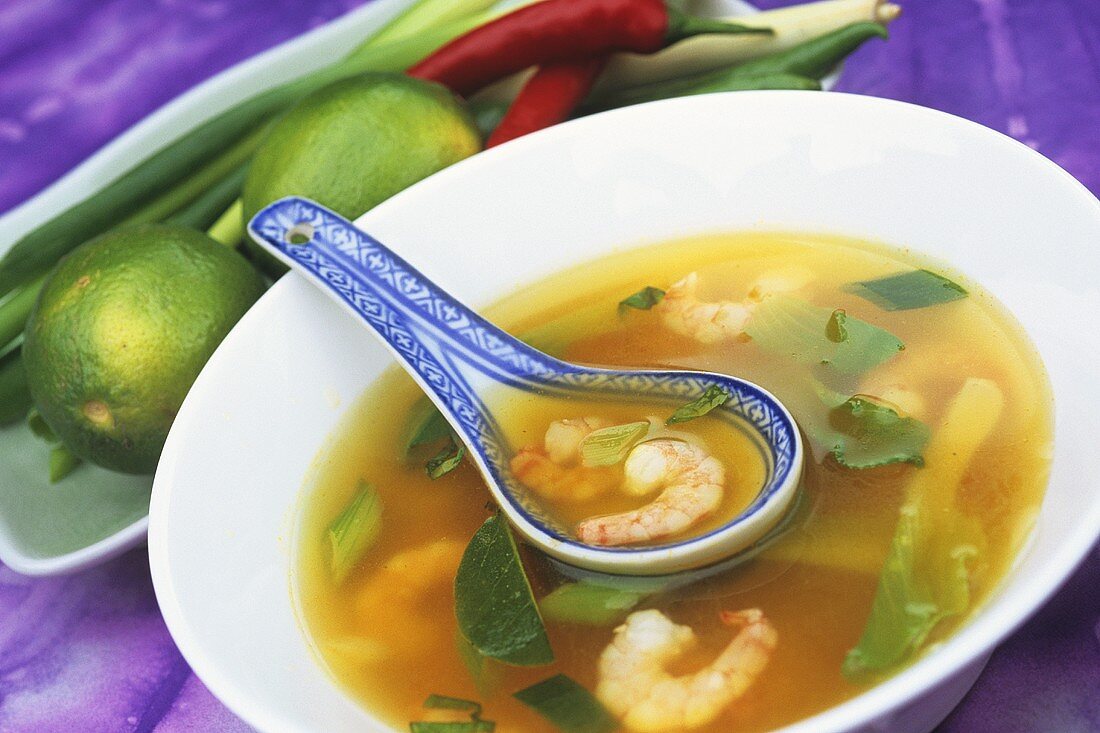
458,358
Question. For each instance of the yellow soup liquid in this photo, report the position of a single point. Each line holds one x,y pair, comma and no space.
388,632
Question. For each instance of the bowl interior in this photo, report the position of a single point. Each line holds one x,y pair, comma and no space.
224,500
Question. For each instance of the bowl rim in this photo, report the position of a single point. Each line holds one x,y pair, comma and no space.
966,647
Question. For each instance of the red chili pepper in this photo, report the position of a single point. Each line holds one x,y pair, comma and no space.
548,97
555,31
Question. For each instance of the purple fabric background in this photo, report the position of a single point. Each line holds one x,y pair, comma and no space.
91,653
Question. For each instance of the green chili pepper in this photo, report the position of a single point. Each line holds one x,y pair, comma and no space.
818,56
799,67
15,396
724,80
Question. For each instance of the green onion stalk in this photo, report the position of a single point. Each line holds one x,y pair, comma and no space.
200,174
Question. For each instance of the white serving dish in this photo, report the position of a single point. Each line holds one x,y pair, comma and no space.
94,515
223,515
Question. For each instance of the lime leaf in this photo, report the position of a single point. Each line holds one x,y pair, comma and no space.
865,434
715,396
446,460
588,604
567,705
792,327
486,673
642,300
443,702
919,587
355,530
914,289
495,607
609,446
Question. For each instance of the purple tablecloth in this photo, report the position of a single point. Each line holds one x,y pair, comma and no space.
91,653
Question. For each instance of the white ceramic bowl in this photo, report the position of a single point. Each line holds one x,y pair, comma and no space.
224,499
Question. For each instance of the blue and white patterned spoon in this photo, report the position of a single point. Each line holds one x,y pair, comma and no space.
458,358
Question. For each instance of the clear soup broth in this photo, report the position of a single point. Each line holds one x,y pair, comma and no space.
928,425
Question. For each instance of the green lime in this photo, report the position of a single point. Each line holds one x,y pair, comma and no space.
120,331
355,143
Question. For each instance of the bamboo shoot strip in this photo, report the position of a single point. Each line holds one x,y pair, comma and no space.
925,578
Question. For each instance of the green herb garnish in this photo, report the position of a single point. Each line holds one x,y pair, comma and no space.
588,604
797,329
443,702
642,300
432,428
865,434
495,607
355,530
834,329
568,706
447,459
467,726
914,289
713,397
609,446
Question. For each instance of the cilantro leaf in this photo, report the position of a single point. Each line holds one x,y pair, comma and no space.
642,300
713,397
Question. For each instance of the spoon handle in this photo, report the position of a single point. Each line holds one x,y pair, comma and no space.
446,345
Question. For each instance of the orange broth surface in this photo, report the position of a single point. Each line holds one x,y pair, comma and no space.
388,632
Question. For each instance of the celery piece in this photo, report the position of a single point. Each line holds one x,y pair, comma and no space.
355,530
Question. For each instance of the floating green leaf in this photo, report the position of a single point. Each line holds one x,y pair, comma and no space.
834,329
444,702
446,460
588,604
919,587
466,726
792,327
914,289
865,434
355,530
642,300
495,607
431,428
609,446
713,397
568,706
486,673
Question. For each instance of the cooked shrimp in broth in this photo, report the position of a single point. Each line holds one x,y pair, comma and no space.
926,419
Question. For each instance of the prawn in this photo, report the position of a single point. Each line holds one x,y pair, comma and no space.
552,471
711,322
691,481
635,685
394,594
